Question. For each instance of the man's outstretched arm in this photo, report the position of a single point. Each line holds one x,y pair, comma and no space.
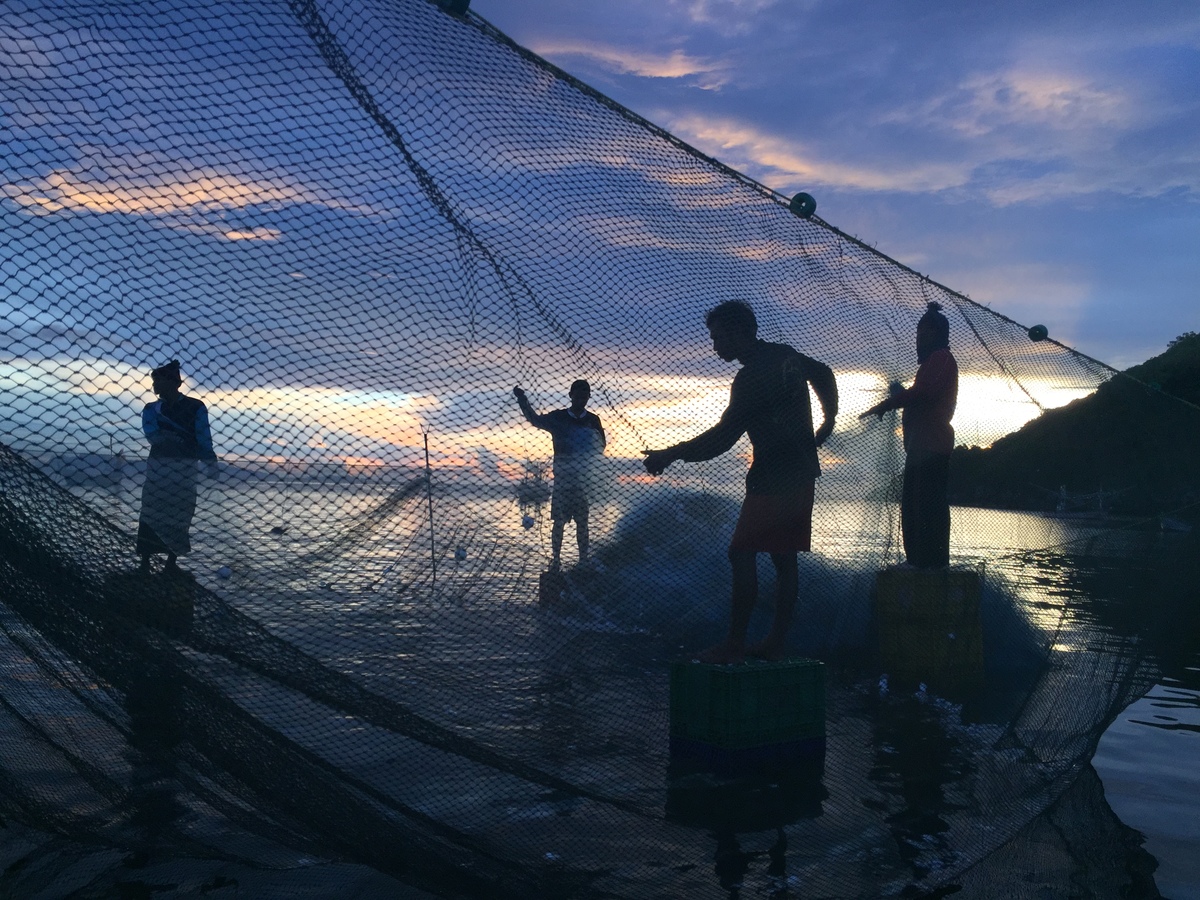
931,381
708,445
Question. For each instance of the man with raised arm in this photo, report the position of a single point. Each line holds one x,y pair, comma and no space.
578,439
769,401
928,441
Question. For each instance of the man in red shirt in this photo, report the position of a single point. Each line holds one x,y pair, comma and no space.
928,440
769,401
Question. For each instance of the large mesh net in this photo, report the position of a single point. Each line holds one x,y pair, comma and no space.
358,226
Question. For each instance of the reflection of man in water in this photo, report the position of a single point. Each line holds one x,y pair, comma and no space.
156,727
177,428
769,401
928,439
578,440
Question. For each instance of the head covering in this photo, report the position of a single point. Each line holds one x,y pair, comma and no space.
168,372
933,331
579,385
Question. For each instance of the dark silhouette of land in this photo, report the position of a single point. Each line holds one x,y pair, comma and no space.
1137,438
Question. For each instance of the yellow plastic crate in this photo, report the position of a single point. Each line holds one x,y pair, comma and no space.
928,626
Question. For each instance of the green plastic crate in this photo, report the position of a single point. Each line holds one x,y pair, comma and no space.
750,705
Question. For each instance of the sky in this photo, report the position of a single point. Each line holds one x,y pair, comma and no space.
1041,158
348,254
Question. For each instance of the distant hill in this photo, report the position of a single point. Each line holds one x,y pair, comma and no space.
1133,435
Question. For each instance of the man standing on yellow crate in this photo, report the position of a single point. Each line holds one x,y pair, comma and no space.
928,441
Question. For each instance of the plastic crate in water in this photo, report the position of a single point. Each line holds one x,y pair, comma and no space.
929,628
753,705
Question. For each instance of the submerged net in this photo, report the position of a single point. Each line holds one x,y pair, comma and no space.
358,226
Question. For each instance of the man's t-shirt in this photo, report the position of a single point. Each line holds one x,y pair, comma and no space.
769,401
577,440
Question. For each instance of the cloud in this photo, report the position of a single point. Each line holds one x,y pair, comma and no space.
988,407
194,201
1049,293
979,104
1057,104
1016,137
1037,131
67,190
46,55
1060,101
783,160
732,17
296,415
634,233
629,61
254,234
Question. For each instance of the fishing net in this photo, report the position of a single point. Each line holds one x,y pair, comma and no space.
358,226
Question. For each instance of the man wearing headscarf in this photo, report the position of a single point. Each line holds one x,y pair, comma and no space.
177,428
928,440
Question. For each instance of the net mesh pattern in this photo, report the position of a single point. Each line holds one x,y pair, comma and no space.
358,226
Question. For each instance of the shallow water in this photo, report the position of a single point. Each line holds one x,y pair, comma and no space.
580,692
1149,760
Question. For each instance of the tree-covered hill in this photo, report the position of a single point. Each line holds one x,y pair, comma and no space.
1138,434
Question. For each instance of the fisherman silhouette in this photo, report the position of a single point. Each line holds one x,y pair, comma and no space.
177,428
769,400
578,440
928,440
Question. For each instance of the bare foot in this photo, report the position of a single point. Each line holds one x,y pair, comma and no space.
724,654
770,648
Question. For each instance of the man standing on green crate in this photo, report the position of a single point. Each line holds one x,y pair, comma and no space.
769,401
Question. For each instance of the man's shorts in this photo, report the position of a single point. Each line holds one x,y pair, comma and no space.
569,501
775,523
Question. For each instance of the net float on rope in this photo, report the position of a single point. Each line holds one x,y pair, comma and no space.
803,205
